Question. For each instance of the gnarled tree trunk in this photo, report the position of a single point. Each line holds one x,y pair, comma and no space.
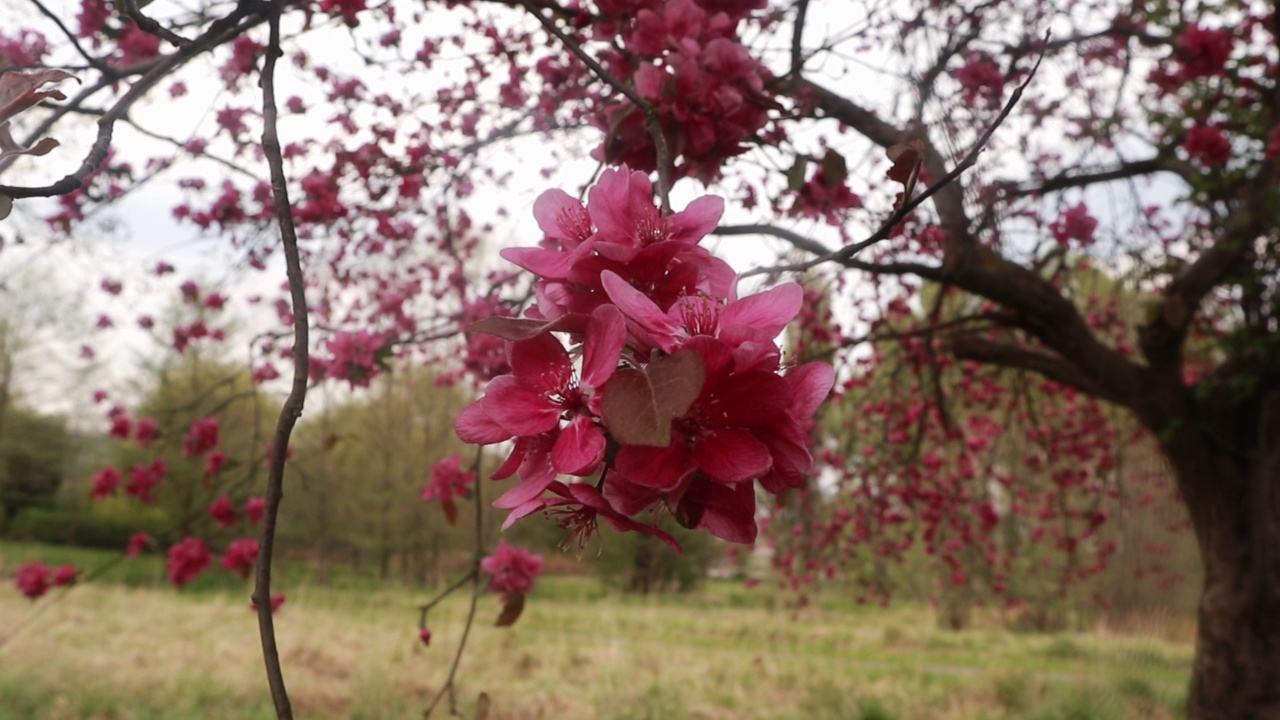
1227,459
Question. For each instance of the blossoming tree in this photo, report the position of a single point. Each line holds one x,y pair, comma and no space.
995,153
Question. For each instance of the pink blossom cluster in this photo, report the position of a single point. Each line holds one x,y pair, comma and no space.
1208,145
202,437
982,81
1075,225
1203,52
143,478
679,398
354,358
511,570
448,481
35,579
187,559
240,556
685,59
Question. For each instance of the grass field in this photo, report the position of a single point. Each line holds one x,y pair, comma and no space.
109,651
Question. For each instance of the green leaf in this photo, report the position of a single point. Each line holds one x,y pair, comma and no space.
639,405
795,176
6,206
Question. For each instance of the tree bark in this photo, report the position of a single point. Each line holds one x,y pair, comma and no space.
1227,460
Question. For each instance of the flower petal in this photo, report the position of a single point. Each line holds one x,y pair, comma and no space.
541,364
606,335
641,310
697,219
810,384
519,410
579,448
474,425
768,311
726,511
561,216
654,467
731,455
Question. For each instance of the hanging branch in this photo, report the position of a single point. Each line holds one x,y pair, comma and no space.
912,203
292,408
475,577
653,122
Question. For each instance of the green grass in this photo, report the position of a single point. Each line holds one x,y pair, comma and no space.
120,649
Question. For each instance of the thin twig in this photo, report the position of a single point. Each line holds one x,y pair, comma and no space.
908,207
130,9
292,408
475,576
219,32
662,152
75,41
797,33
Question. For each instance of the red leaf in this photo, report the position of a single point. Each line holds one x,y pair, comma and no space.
906,158
20,89
516,329
639,405
512,606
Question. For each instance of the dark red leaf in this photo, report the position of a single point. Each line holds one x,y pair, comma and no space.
639,405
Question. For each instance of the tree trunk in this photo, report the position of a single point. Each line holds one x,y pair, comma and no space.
1228,468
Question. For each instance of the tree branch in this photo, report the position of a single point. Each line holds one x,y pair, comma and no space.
662,152
1123,171
291,410
1004,354
220,32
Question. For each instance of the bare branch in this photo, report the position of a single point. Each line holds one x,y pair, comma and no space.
219,32
291,410
661,150
1123,171
801,242
1004,354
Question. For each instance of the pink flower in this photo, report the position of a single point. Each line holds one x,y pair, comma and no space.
821,198
202,437
356,357
138,543
760,317
254,508
240,557
143,479
578,508
448,481
542,390
511,569
981,80
105,482
1208,145
187,559
1074,225
33,579
620,230
145,432
121,427
213,463
223,512
1203,52
424,635
65,575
